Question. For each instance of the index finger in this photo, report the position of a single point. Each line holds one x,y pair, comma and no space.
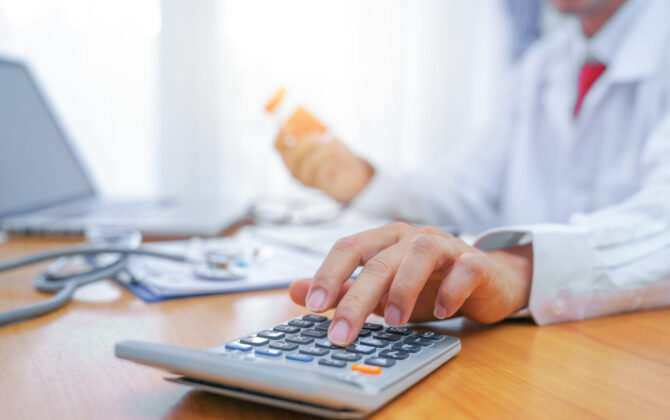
345,256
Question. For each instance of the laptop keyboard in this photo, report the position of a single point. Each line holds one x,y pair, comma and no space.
75,217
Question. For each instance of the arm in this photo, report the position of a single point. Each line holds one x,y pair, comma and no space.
416,274
613,260
462,187
468,180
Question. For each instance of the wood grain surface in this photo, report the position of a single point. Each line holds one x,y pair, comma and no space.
62,366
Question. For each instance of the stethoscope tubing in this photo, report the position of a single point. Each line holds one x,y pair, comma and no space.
66,285
67,252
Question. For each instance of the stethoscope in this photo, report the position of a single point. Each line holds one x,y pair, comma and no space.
106,261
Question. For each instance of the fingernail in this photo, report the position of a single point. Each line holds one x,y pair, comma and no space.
392,316
316,300
440,311
339,333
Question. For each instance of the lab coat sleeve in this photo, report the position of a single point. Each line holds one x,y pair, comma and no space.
616,259
461,190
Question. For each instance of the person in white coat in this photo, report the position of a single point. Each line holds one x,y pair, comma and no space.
570,183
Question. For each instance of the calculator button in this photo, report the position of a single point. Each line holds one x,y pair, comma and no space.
387,336
272,335
380,361
332,363
399,330
412,348
314,351
288,329
301,323
314,318
326,344
357,348
238,346
255,341
280,345
372,327
345,355
425,342
364,333
299,340
394,354
324,325
374,342
300,357
269,352
429,334
369,369
314,333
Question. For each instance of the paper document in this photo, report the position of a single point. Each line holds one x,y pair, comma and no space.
318,239
272,266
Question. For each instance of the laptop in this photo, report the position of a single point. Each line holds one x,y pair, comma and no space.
46,190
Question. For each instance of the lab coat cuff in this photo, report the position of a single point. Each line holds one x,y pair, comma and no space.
561,263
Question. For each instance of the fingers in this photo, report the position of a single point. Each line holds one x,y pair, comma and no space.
364,295
468,273
310,167
345,256
298,290
425,253
284,140
294,156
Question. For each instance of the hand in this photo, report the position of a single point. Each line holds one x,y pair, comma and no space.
414,274
326,164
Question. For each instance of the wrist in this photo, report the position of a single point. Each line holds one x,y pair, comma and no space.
518,262
365,174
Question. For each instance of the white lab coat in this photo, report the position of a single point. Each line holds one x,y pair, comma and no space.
591,193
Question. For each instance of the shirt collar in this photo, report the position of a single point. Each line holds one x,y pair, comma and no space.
603,46
631,42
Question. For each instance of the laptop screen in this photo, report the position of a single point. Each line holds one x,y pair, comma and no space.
37,165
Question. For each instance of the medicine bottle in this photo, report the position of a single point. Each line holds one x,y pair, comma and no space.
296,120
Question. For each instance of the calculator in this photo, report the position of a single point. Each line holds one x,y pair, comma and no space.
293,365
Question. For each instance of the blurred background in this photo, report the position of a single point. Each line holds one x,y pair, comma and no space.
165,97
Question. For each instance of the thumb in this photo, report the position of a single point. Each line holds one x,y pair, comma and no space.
298,290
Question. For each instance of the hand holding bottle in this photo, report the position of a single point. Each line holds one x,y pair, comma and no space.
320,161
313,156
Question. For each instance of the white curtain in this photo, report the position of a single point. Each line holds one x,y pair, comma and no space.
96,61
401,82
167,96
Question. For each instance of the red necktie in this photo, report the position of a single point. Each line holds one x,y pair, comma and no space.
589,73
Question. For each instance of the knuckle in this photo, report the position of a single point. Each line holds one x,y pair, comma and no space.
400,291
471,263
429,230
321,277
447,297
351,307
379,266
397,227
424,244
353,300
346,244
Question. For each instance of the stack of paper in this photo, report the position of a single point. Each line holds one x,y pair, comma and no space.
270,266
270,257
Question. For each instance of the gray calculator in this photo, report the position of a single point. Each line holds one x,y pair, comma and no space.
294,366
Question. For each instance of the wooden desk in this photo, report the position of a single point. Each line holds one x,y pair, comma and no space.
62,366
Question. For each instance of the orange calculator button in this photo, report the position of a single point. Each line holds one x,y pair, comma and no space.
369,369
